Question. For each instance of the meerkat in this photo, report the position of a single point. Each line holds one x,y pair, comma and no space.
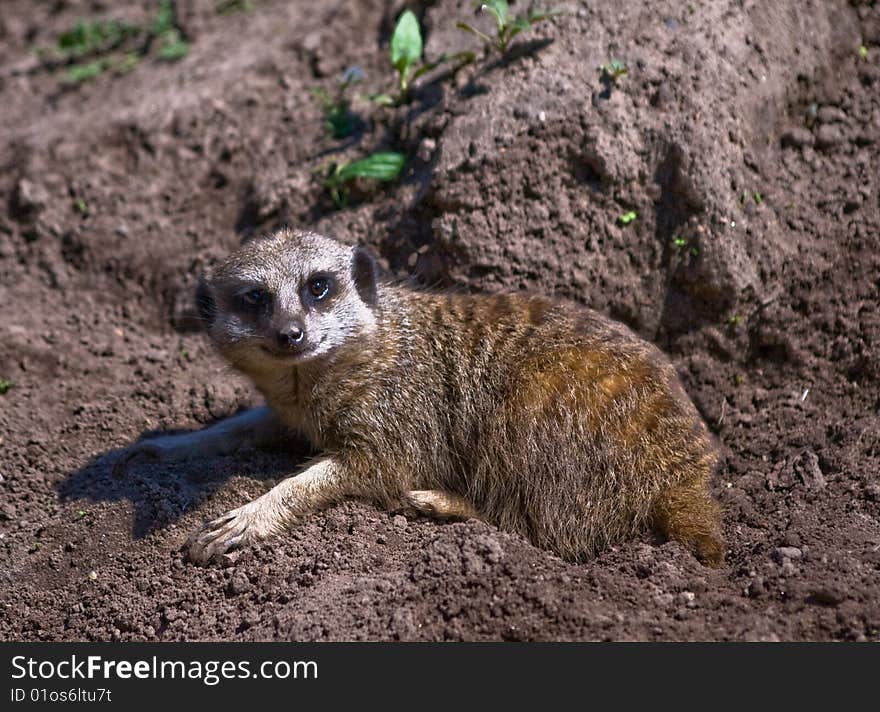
541,417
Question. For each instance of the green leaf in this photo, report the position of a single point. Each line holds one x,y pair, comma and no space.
92,37
679,241
628,217
382,99
173,47
83,72
5,386
500,11
467,28
406,42
518,25
614,69
380,166
164,18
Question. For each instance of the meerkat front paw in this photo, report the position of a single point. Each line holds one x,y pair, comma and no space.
239,527
273,513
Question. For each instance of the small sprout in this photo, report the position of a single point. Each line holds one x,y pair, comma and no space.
406,55
614,70
383,99
735,320
173,47
679,241
758,197
739,379
695,252
81,513
164,21
5,385
627,217
863,52
81,206
383,167
95,37
406,47
507,27
98,46
338,117
79,73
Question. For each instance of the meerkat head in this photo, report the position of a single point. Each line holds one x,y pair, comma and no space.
288,298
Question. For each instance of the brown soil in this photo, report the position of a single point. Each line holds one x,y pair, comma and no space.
746,135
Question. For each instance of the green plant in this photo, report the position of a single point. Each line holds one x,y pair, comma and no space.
506,26
172,46
338,117
87,70
406,47
92,47
406,57
382,166
5,386
80,206
681,243
754,195
863,52
614,70
93,37
627,217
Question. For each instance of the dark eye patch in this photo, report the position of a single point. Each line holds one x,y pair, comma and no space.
254,298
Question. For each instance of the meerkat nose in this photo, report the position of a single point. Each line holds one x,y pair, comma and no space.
290,336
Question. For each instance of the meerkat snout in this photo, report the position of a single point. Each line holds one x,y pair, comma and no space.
290,336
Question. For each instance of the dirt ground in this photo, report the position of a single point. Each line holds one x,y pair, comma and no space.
746,137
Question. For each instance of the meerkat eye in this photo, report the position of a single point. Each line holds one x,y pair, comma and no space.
255,297
319,287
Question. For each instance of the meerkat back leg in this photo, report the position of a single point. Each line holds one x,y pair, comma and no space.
687,513
316,487
439,504
258,427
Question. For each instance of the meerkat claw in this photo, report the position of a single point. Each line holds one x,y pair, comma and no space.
216,538
219,536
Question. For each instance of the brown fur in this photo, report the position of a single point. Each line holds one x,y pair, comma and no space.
547,419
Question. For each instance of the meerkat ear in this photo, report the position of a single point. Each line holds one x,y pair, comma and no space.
205,303
365,274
